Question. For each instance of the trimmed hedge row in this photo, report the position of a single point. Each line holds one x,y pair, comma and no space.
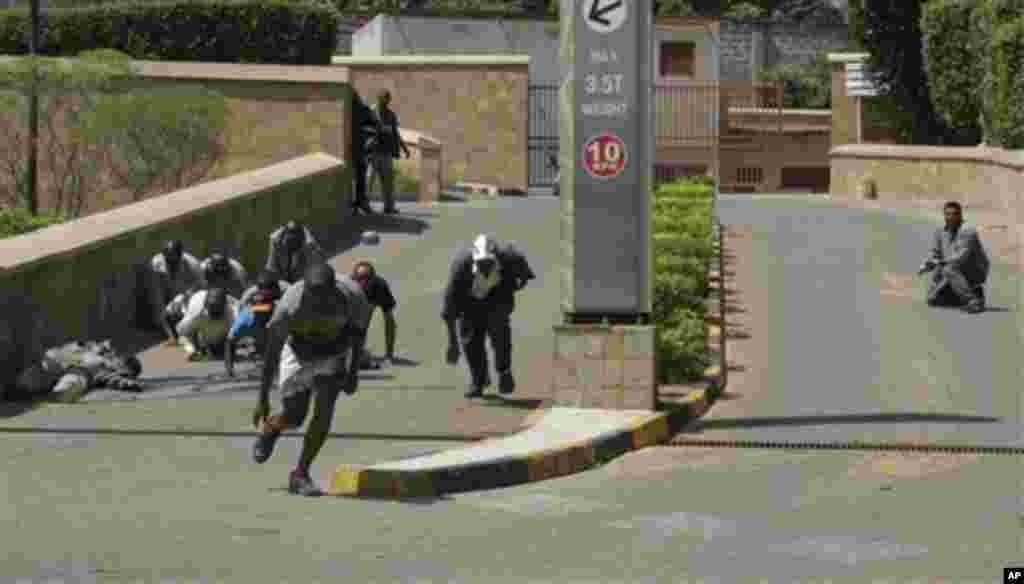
1007,125
232,31
682,224
17,221
951,61
972,58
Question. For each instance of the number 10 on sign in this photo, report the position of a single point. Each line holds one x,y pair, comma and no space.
604,156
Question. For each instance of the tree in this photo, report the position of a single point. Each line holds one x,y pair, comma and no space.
890,32
101,131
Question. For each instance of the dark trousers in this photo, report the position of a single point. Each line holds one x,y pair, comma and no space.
359,169
950,287
473,329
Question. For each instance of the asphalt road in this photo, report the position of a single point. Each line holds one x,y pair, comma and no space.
825,337
855,353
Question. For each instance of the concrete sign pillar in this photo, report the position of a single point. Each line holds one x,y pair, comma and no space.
604,350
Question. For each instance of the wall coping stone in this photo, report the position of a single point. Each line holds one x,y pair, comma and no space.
231,71
431,60
847,57
23,251
996,156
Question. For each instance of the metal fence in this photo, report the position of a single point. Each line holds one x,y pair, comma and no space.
691,113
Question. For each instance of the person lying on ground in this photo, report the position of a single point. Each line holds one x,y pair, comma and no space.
73,369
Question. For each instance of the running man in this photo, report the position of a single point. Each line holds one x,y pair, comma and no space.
315,339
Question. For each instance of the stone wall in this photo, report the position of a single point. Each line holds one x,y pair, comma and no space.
747,45
82,279
476,107
276,113
982,179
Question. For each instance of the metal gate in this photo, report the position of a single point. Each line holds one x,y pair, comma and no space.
542,140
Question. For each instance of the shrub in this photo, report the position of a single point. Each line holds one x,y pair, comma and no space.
405,183
1007,123
951,61
256,31
17,220
985,20
682,219
804,85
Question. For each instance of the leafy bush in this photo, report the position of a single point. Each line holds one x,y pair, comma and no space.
951,61
682,221
804,85
17,220
1007,123
985,19
405,183
256,31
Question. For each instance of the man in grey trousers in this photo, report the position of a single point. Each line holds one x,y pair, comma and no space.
958,263
387,150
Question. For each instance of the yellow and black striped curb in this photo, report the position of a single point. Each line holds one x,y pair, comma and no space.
566,459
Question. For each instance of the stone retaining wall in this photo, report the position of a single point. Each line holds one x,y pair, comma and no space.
82,279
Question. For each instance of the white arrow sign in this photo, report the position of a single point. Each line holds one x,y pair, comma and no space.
604,16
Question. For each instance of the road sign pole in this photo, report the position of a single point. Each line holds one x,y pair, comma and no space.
607,148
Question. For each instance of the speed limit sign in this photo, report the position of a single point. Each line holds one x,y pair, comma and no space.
604,156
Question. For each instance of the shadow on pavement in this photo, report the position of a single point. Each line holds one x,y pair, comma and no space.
502,402
402,362
12,409
880,418
407,501
461,438
406,223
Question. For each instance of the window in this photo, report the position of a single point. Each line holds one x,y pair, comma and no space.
677,59
749,175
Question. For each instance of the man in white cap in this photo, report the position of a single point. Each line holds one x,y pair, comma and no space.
480,299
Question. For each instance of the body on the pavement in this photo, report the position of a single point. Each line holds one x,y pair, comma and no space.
378,295
315,337
292,250
957,263
478,303
77,367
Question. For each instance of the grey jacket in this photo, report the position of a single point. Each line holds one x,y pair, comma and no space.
291,267
963,252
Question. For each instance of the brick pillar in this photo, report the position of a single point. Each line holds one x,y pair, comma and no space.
606,367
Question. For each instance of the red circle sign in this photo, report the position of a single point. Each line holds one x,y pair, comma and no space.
604,156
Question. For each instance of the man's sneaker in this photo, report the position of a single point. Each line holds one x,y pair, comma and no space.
506,384
264,446
474,391
299,483
975,307
391,211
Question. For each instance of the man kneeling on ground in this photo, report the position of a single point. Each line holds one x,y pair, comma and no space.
257,306
315,338
958,263
204,330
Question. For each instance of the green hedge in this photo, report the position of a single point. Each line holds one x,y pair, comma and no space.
951,61
682,233
804,85
257,31
16,221
1007,124
986,18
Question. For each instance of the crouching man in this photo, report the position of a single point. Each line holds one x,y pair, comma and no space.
958,264
257,306
208,319
315,338
479,299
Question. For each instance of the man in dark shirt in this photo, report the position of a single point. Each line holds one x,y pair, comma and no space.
315,338
958,263
480,299
378,294
292,250
365,126
388,145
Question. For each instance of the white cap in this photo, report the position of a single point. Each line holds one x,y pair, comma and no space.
483,248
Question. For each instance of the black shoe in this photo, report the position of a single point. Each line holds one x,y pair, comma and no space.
975,307
264,446
391,211
506,384
301,484
474,391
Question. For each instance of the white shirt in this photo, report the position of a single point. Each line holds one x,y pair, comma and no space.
197,319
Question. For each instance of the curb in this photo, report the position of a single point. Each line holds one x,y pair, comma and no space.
656,428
